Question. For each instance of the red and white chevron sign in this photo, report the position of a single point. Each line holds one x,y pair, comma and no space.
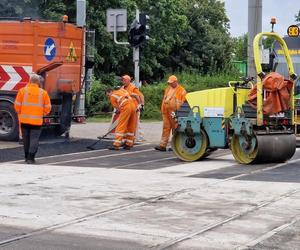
14,77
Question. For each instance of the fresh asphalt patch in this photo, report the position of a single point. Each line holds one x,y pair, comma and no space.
290,172
145,158
52,148
140,157
231,171
7,232
62,241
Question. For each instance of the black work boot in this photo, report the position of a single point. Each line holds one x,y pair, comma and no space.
30,159
159,148
113,148
26,157
126,147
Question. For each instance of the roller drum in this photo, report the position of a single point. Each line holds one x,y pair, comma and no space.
275,148
263,148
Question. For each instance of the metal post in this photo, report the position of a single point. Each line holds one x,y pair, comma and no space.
136,58
115,31
254,27
81,13
79,109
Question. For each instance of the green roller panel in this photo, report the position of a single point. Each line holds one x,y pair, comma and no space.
215,132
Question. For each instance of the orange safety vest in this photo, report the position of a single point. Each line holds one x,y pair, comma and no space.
135,93
119,98
173,98
31,104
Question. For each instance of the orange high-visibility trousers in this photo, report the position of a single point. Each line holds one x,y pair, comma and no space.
169,124
126,125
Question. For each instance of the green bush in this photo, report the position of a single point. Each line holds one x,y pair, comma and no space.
153,96
190,81
97,102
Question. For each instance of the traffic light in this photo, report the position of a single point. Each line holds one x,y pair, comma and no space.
138,32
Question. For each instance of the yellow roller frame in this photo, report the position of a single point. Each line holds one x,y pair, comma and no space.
260,73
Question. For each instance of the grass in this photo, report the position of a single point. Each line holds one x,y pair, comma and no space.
99,118
107,118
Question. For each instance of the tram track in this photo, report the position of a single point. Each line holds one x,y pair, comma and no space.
158,198
269,234
219,223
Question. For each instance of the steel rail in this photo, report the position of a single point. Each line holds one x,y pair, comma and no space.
159,198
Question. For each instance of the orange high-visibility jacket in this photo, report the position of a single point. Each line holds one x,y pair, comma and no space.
173,98
135,93
31,104
119,98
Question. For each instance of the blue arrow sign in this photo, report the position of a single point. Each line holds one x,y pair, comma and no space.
49,49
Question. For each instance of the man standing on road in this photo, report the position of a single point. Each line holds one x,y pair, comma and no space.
137,97
125,107
31,104
133,91
174,97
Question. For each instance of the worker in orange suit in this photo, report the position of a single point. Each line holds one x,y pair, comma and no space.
31,104
133,91
174,97
138,99
125,106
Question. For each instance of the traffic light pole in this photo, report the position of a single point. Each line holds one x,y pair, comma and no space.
136,61
136,58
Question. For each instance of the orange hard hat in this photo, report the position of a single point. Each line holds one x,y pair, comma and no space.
127,77
65,18
172,79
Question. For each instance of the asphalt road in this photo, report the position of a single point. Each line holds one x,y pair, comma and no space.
75,198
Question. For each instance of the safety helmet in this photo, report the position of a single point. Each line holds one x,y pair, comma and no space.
172,79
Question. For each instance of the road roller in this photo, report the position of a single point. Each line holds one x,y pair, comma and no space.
225,118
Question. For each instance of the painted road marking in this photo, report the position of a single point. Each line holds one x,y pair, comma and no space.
69,154
101,156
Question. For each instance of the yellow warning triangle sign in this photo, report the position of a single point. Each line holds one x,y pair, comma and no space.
71,57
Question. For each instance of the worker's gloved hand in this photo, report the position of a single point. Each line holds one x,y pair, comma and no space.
142,109
173,115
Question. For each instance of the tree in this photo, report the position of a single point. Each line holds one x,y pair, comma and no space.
240,47
19,9
167,22
110,57
268,42
205,44
54,10
184,34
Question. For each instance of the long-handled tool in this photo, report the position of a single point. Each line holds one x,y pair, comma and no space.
110,129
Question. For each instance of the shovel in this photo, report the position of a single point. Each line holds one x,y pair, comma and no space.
111,128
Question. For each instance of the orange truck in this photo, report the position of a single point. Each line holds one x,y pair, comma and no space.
54,50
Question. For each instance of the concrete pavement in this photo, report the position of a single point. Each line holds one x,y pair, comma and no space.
183,206
144,199
151,130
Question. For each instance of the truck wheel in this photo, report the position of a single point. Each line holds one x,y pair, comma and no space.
9,128
66,115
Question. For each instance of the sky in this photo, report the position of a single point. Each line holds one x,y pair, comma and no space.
283,10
